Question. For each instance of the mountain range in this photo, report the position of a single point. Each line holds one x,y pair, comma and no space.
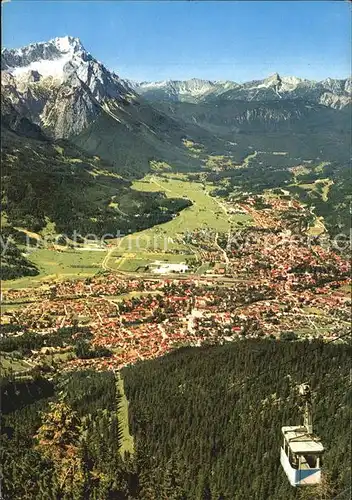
330,92
59,85
62,105
65,60
62,88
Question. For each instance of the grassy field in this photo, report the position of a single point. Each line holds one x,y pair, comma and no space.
158,243
203,268
8,363
318,227
347,289
127,443
54,265
59,357
320,187
204,213
137,250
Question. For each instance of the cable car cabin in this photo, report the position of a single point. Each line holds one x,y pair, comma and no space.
301,456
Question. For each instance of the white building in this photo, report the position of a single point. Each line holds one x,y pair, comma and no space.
166,268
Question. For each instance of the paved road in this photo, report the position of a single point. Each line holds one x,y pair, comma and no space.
105,261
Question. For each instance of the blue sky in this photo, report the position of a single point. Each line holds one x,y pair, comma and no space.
214,40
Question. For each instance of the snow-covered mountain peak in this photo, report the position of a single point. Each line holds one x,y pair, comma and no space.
62,86
293,80
45,58
67,44
330,92
275,77
276,80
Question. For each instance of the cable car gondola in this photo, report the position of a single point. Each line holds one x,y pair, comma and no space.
302,451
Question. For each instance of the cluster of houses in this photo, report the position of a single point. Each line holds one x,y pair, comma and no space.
275,282
282,257
142,319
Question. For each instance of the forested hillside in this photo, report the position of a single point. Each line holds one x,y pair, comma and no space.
15,264
200,425
206,425
271,126
62,440
44,180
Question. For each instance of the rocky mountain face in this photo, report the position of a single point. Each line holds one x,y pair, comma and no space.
238,116
12,120
59,85
62,88
329,92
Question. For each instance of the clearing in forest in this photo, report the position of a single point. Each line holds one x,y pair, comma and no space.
127,442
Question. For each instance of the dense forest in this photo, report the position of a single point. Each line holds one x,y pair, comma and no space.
60,439
214,415
14,264
206,425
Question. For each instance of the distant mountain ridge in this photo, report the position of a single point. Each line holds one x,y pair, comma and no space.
181,90
62,88
329,92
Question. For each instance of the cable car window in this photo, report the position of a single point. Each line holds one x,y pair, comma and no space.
312,461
